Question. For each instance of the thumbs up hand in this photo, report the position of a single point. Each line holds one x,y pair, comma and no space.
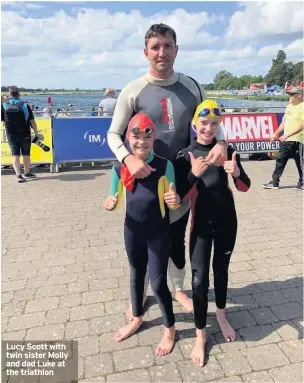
111,202
231,166
198,165
171,197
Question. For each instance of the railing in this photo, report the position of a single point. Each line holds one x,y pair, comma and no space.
79,138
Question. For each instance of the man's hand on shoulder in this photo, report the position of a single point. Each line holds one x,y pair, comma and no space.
218,154
137,167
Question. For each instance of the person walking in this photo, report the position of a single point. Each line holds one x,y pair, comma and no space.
291,141
18,120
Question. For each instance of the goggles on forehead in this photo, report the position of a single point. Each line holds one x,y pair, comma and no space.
136,130
206,111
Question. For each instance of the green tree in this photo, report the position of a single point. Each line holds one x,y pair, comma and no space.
289,71
222,75
225,83
279,70
298,73
208,86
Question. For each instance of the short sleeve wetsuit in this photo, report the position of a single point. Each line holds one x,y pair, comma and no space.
146,232
214,221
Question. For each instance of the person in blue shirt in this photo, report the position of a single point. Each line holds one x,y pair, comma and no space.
146,228
93,113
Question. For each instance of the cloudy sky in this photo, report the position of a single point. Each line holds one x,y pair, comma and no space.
100,44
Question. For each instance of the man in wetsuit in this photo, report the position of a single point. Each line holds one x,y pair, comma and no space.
170,99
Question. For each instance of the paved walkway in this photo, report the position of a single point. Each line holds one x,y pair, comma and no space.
65,276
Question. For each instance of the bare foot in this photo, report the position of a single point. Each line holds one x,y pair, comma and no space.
198,351
167,343
227,330
129,312
184,300
125,332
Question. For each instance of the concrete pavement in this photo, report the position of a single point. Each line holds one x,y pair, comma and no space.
65,276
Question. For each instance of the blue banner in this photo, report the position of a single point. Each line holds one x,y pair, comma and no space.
81,139
280,118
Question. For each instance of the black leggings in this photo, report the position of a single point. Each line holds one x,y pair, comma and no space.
288,149
149,246
200,253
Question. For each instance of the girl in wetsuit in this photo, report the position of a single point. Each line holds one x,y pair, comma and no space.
214,220
146,229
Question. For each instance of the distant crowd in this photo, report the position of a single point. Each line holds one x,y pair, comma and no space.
105,108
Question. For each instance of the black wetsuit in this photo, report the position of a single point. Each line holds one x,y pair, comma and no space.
146,233
214,222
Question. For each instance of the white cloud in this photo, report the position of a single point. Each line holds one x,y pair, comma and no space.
265,19
295,49
33,6
92,48
269,50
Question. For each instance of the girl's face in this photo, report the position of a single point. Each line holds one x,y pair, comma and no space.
207,128
141,144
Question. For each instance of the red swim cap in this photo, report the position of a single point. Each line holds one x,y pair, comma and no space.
140,121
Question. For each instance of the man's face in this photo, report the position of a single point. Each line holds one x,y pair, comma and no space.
295,98
161,51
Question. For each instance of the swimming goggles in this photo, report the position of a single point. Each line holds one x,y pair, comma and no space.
206,111
137,130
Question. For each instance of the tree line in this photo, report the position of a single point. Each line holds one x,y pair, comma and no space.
279,73
45,90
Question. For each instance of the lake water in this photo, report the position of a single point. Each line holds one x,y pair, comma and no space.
84,102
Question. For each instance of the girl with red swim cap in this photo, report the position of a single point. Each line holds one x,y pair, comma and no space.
146,228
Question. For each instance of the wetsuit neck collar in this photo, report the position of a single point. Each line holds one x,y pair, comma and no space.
197,145
163,82
150,158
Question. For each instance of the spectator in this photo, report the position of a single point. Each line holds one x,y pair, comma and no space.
47,112
107,105
291,141
93,113
18,120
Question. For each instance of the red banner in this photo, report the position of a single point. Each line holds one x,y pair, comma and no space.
249,127
249,133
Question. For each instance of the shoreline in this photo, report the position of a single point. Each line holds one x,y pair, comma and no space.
248,98
211,95
52,93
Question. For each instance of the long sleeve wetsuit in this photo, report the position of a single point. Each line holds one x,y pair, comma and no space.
214,221
146,233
